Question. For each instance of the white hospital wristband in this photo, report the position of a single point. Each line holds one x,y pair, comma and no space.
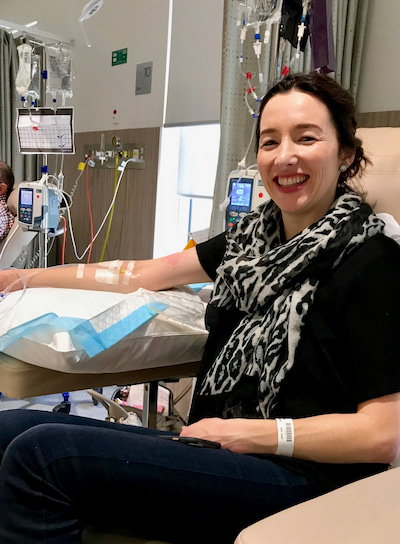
285,437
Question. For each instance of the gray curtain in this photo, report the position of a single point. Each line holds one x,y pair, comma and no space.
24,166
237,124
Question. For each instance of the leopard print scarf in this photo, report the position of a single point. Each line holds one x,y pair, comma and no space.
274,283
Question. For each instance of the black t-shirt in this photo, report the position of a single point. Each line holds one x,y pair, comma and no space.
349,350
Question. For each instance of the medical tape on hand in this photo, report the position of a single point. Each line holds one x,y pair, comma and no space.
109,275
128,272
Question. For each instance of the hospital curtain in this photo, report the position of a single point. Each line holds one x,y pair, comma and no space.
237,124
24,166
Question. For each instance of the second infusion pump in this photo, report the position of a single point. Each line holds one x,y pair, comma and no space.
38,207
245,192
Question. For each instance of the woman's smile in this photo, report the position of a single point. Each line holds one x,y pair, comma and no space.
290,182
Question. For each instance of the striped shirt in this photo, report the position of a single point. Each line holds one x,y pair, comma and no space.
6,217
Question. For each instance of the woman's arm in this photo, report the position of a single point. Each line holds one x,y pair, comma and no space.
123,277
372,435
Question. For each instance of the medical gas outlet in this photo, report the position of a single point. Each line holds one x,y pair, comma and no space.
105,158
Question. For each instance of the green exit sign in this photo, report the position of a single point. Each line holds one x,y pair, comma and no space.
119,57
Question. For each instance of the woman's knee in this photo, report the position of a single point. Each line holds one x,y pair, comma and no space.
15,422
31,445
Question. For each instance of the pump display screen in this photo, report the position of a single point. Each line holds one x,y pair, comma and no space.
26,197
241,193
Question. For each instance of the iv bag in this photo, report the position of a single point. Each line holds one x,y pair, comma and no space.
34,88
23,79
59,77
259,10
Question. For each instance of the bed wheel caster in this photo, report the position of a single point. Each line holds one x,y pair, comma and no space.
64,407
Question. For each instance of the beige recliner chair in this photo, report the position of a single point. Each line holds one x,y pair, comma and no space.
367,511
364,512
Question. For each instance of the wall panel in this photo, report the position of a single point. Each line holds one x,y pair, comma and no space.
132,231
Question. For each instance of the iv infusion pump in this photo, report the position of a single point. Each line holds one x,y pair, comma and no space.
38,207
245,192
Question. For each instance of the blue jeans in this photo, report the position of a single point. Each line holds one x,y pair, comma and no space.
58,471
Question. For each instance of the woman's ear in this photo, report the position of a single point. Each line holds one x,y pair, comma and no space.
3,188
347,157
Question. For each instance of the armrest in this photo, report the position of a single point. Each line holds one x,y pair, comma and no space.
364,512
12,245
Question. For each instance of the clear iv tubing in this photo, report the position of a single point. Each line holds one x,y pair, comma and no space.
112,214
75,186
104,220
25,280
250,142
5,293
8,240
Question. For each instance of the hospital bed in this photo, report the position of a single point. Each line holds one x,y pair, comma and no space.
370,506
52,342
22,377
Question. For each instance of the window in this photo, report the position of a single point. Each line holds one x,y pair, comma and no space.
187,170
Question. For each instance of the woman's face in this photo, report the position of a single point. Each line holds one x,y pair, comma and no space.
299,158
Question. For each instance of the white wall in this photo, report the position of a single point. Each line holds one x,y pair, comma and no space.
142,27
380,76
194,85
139,25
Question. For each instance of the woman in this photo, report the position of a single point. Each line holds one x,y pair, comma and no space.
300,378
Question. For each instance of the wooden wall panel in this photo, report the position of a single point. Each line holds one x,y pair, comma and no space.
379,119
132,230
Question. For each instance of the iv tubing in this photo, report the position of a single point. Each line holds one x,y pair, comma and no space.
8,240
75,186
64,240
111,214
243,161
105,217
6,291
90,214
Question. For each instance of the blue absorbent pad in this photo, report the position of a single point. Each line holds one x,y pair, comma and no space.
198,286
95,342
82,330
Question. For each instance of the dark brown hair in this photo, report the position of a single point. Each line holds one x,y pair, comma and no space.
341,107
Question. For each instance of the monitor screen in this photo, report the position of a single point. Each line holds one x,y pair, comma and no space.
241,192
26,197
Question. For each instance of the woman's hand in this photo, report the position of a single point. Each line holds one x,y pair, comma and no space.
369,436
237,435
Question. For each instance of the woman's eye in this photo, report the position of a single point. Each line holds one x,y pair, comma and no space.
307,139
268,143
